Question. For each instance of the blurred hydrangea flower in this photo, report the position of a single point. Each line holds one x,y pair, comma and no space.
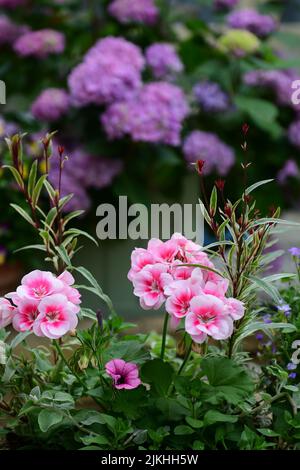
295,251
163,60
51,104
40,43
253,21
225,4
294,133
239,42
12,3
110,71
7,128
207,146
211,97
289,170
83,171
154,115
279,81
10,31
138,11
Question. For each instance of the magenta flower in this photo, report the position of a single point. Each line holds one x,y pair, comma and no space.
39,284
125,375
25,315
149,285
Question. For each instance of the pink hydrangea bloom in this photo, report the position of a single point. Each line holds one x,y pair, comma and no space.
138,11
163,60
50,105
208,316
124,374
6,312
40,43
56,317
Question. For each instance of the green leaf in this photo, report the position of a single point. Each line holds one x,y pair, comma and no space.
48,418
263,113
96,289
183,430
194,423
52,214
158,374
101,440
268,432
31,247
32,178
256,185
23,214
213,202
72,215
226,380
63,255
19,338
37,190
16,175
76,231
214,416
268,288
51,191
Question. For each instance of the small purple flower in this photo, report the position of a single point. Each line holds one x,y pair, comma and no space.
218,156
163,60
292,375
294,133
136,11
284,308
291,366
294,251
125,375
259,336
40,43
51,104
211,97
267,318
253,21
289,170
225,4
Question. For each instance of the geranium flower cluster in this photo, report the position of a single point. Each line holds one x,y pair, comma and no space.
197,295
136,11
155,114
44,304
207,146
110,71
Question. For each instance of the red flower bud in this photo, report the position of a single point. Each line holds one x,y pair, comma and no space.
245,128
61,150
199,166
228,210
220,184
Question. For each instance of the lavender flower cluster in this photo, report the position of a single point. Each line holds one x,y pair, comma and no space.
217,155
155,114
50,105
253,21
80,172
40,43
110,71
163,60
211,97
9,31
137,11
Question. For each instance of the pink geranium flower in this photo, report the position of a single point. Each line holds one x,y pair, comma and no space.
72,294
7,311
56,317
235,308
39,284
139,259
208,315
124,374
149,285
26,315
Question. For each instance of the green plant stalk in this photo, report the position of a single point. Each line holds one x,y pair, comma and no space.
164,336
186,358
65,361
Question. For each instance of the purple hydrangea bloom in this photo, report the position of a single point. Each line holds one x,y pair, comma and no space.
10,31
40,43
225,4
289,170
211,97
294,133
218,156
12,3
163,60
7,128
279,81
83,171
110,71
155,114
51,104
253,21
295,251
137,11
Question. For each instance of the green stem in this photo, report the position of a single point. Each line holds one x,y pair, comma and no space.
62,356
164,336
186,358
